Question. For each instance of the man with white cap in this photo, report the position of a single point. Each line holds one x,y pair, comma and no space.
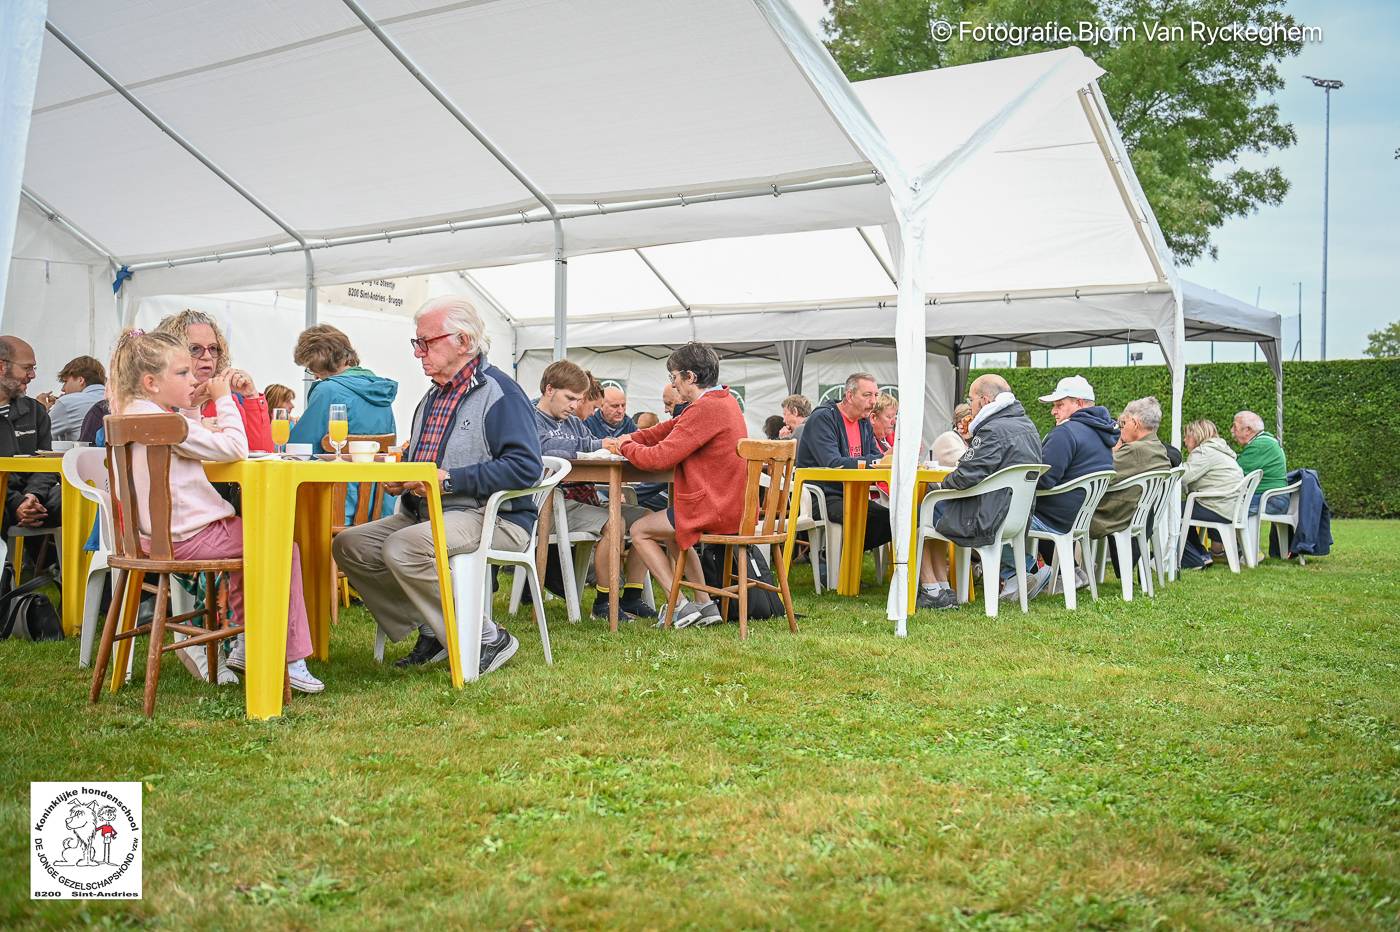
1081,442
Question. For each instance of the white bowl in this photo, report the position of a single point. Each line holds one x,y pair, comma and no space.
362,451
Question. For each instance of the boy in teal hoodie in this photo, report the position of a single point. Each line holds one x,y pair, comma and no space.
326,353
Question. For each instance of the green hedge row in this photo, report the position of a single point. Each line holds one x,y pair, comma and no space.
1340,417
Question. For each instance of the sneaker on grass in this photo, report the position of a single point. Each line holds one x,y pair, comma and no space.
238,657
709,615
301,679
495,654
428,650
686,614
940,599
634,605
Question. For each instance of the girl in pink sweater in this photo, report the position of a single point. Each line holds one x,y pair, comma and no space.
151,373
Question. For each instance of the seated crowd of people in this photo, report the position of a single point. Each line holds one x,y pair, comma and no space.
485,434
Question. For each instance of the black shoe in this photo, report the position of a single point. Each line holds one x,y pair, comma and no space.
942,599
427,650
495,654
633,604
600,608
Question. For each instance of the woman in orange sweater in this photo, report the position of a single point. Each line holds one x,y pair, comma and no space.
708,497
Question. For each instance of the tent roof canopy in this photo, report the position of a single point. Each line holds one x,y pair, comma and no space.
361,147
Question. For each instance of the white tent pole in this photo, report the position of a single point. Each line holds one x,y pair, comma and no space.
561,294
889,272
456,226
68,226
441,97
168,130
674,293
1116,169
310,320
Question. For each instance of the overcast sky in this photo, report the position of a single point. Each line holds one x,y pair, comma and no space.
1274,249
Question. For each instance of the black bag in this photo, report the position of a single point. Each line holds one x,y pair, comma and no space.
27,614
762,603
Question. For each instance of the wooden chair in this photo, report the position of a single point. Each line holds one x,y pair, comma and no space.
157,433
763,523
367,508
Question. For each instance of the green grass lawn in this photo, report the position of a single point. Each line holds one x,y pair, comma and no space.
1225,755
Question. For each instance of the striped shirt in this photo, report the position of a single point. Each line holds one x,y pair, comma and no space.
439,417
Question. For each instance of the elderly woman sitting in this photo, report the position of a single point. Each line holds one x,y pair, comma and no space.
1211,470
710,476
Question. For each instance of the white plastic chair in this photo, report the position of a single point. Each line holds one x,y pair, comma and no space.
1166,528
85,469
1234,534
1020,482
1152,484
1093,485
823,536
1287,523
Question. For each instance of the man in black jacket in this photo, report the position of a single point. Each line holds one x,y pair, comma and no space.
838,435
32,499
1002,436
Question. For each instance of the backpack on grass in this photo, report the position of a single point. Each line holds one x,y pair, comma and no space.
27,614
762,603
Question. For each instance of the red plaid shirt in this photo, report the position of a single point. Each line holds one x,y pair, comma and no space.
438,420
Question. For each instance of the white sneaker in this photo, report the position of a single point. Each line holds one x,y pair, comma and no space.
196,661
687,613
301,678
238,657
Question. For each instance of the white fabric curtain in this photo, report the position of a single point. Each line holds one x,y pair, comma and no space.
21,42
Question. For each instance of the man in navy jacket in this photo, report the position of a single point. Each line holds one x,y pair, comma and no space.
838,435
1081,442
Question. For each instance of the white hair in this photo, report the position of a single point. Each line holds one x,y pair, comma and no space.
1146,411
461,317
1250,421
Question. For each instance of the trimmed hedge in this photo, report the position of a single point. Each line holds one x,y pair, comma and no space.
1340,417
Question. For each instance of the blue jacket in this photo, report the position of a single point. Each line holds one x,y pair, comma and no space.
491,446
824,445
601,428
1081,445
1313,536
368,401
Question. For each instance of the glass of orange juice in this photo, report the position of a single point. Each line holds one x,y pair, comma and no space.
281,428
338,427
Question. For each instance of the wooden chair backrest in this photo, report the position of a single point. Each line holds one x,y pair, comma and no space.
157,433
765,508
367,507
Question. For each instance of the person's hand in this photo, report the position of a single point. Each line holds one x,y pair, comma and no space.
415,488
46,399
785,433
241,382
394,488
220,386
200,395
613,445
31,512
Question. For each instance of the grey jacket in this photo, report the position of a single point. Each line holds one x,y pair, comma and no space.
1004,438
491,446
565,438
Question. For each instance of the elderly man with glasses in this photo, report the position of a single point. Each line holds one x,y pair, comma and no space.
478,426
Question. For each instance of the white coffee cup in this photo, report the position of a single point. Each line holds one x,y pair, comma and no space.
362,451
301,450
60,446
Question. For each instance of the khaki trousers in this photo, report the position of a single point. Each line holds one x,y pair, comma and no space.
392,565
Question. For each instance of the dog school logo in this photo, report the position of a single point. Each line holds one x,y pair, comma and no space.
85,841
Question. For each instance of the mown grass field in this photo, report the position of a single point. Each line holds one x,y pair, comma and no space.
1226,755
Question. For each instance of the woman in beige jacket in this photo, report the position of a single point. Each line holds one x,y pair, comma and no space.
1211,470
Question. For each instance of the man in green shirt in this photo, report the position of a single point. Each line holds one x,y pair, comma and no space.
1259,450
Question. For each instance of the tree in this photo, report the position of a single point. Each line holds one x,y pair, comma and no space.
1384,344
1187,109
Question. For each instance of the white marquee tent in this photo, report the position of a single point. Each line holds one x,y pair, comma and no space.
265,146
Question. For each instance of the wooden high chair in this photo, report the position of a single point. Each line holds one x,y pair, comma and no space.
757,528
132,562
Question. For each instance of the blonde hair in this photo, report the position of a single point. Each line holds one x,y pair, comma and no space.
1198,432
884,403
279,396
178,326
137,355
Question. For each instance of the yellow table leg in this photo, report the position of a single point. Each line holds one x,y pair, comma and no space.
313,537
449,614
915,555
794,507
269,510
855,509
78,517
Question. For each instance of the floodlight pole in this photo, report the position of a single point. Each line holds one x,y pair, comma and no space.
561,264
1328,85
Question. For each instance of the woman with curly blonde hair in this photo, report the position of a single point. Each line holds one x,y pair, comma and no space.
209,355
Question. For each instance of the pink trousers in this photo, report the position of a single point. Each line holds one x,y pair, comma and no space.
224,539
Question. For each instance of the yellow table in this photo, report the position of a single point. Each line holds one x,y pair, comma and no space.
285,500
856,508
78,517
